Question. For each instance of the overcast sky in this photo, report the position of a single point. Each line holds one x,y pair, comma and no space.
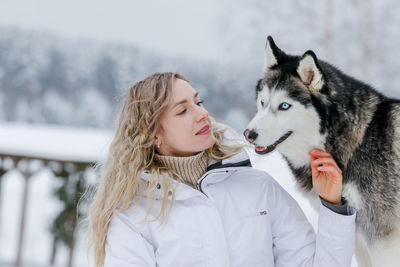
173,26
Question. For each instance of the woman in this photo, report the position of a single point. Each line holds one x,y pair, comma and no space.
177,192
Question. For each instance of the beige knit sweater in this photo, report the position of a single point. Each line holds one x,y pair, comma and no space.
189,169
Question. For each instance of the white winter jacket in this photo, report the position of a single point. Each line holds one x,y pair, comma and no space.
240,217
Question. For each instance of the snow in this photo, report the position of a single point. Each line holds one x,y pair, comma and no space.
71,144
56,142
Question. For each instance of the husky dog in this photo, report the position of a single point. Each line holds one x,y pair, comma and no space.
305,103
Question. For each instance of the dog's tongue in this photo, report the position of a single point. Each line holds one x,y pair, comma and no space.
260,148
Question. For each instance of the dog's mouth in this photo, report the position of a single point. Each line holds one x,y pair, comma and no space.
267,149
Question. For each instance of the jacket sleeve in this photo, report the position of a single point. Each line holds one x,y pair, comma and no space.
294,241
125,246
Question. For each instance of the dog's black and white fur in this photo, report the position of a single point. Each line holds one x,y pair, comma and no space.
305,103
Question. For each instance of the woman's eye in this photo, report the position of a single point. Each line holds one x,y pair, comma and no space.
200,103
284,106
182,112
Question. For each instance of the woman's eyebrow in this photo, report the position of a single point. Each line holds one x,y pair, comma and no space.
184,101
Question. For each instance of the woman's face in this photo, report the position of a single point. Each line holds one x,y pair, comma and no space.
185,125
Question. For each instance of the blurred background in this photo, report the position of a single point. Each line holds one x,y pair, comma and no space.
65,67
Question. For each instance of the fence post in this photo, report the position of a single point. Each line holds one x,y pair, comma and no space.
2,172
27,174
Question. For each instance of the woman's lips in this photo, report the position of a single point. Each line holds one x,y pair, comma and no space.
204,130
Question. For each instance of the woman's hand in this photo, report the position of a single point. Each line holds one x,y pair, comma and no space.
326,176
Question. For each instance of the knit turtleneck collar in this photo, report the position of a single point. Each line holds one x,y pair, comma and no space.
189,169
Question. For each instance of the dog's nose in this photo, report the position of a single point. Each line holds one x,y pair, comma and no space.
250,135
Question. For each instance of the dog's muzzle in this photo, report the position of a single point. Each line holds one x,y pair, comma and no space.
267,149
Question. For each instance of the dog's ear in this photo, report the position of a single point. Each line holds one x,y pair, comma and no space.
273,55
310,72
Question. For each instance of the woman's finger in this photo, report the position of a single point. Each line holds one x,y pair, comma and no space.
330,170
326,161
319,153
314,170
325,157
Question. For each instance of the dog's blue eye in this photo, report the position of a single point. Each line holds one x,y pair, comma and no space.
284,106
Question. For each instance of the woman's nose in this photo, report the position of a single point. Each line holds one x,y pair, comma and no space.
202,114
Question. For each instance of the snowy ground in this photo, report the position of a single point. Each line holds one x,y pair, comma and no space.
42,206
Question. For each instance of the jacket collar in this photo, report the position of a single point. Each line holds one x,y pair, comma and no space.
239,160
184,191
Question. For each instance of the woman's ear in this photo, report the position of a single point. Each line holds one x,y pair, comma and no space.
157,142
